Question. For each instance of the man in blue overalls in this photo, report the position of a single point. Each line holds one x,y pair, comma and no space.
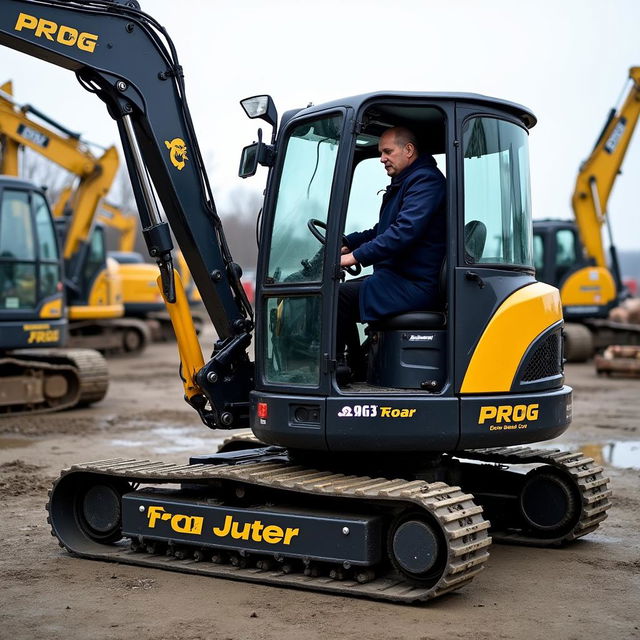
406,247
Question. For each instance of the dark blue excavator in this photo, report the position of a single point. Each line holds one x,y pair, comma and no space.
391,486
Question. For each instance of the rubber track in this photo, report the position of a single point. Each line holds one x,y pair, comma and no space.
461,520
90,368
588,477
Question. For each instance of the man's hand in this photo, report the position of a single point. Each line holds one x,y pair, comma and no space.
344,249
347,259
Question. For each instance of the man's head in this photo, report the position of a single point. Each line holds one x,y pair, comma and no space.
398,148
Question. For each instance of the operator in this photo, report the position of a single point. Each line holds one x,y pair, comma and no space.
406,247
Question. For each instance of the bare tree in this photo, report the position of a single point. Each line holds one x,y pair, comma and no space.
44,173
239,214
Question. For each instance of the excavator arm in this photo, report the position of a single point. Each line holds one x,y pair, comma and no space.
128,60
125,224
66,149
598,174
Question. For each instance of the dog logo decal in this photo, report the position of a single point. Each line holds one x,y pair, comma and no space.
178,152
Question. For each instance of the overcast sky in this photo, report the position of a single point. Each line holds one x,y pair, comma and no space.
567,60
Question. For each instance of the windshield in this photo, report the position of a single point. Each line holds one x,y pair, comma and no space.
497,193
304,194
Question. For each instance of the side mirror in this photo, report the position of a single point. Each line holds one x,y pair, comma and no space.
255,154
249,160
262,107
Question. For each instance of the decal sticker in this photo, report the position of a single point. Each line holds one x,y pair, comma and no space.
62,34
375,411
508,417
177,152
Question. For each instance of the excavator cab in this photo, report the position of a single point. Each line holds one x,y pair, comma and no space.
31,293
493,340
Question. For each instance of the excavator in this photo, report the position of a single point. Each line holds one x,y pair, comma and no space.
571,255
93,282
141,296
36,374
392,487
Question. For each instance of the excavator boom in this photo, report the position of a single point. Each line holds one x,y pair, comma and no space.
145,94
599,171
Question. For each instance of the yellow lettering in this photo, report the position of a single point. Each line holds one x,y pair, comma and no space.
25,21
519,412
256,528
412,412
272,534
153,514
225,529
486,413
43,336
240,534
67,36
385,411
187,524
87,41
532,412
45,28
504,413
290,533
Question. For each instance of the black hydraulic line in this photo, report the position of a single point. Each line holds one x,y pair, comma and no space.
27,108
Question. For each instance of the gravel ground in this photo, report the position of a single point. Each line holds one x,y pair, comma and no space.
589,589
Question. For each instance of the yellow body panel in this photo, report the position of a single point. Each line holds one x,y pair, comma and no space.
139,284
519,320
588,286
52,309
188,346
105,297
101,312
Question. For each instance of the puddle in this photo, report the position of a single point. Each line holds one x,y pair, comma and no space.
194,441
14,443
620,455
166,440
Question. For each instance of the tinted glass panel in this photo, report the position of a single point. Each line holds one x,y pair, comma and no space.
96,256
538,252
497,196
293,340
304,193
44,225
49,278
17,285
16,228
566,256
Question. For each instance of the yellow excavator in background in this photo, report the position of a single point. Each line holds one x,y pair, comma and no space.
141,296
570,254
36,373
93,281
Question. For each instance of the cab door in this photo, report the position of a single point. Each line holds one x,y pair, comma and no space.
495,249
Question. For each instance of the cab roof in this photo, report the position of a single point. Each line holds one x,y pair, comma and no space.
357,102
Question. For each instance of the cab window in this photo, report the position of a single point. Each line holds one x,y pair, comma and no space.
497,194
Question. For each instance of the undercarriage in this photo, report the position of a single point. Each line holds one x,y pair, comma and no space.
256,515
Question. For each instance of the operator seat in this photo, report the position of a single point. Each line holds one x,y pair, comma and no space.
408,350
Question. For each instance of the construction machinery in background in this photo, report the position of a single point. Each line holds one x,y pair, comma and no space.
391,487
93,281
36,375
571,254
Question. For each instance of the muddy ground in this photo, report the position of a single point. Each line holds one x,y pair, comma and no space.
588,590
